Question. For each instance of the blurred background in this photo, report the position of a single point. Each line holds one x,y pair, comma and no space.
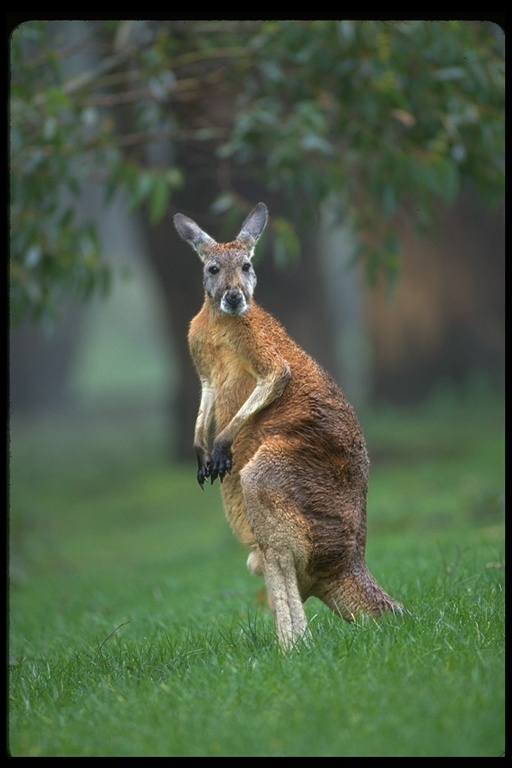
377,146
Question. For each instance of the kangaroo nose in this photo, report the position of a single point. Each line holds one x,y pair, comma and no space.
233,297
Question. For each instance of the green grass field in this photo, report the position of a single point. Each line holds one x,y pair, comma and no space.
135,629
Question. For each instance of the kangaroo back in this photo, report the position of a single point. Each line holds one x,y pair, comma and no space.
285,443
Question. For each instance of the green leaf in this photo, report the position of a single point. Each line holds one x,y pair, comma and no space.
143,183
223,203
159,197
449,73
174,178
286,242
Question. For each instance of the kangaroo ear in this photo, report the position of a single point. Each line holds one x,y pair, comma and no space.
200,241
254,224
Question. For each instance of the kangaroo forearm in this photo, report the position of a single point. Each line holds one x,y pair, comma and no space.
204,417
265,392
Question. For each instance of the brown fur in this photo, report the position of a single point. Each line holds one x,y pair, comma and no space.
287,448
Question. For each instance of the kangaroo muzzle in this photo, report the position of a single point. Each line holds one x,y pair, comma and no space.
233,302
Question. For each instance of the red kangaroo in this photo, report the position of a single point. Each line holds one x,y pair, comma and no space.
287,446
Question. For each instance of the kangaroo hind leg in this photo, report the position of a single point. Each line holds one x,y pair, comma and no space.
282,549
281,581
355,592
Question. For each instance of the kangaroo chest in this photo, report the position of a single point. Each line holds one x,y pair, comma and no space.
215,351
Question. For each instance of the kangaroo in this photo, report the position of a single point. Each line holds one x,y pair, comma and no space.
288,449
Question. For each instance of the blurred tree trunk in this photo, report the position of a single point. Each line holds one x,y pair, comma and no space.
446,320
40,361
345,298
179,276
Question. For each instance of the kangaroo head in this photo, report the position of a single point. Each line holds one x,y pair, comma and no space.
228,276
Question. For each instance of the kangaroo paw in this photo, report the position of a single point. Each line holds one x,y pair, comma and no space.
221,463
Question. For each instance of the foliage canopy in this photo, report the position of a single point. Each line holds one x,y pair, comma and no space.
388,117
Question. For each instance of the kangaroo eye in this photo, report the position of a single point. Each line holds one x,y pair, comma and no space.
213,269
246,267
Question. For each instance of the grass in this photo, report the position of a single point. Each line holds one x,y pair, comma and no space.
135,629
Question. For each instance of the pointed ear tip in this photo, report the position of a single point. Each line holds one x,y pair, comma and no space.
262,210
